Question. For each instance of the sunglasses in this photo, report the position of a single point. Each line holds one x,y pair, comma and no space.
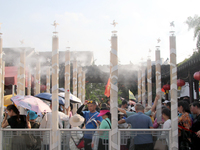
90,102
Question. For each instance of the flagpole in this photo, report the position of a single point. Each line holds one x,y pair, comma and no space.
149,82
158,84
114,92
173,82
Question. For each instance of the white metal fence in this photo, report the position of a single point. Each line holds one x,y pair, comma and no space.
40,139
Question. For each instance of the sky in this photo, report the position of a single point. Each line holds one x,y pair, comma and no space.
85,25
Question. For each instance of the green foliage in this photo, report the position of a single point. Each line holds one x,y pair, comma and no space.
194,23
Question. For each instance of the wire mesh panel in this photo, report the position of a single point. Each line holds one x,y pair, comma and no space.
26,140
129,139
70,139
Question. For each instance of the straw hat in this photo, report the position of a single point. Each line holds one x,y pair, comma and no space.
76,120
120,113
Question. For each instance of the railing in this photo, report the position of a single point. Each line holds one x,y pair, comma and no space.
128,138
26,139
36,139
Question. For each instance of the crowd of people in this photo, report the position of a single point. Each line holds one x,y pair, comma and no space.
131,115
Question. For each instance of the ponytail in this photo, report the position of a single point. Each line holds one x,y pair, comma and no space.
15,110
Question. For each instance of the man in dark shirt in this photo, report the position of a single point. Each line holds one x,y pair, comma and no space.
195,109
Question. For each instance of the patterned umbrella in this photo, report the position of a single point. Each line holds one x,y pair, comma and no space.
31,103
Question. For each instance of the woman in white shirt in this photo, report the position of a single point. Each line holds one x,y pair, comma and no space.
166,114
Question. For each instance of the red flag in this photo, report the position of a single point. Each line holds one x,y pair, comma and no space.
107,90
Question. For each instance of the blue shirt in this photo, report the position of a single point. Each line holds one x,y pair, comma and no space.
129,113
90,124
141,121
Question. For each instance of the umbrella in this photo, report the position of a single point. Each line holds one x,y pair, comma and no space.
31,103
60,90
7,100
73,98
48,97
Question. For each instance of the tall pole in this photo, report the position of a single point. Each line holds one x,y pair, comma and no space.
29,84
143,86
139,86
114,91
37,78
149,82
79,82
1,100
158,84
18,80
83,86
22,77
48,80
55,67
173,82
67,79
3,84
75,84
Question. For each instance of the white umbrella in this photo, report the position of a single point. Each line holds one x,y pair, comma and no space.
73,98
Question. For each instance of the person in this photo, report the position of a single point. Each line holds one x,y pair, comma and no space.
105,124
147,113
165,102
195,137
156,123
75,121
152,113
32,117
166,115
184,122
140,121
16,121
124,105
47,123
168,105
89,116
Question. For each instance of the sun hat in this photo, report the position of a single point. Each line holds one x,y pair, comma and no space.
120,113
103,112
166,101
76,120
32,115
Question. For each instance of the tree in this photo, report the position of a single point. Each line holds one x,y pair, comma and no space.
195,23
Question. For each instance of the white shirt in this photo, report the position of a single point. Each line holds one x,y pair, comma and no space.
167,124
47,120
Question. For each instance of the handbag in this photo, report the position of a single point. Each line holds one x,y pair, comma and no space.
80,143
161,144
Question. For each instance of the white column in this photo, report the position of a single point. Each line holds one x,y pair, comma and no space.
18,80
67,79
114,92
83,86
48,80
37,80
79,82
74,84
139,86
22,77
173,82
149,81
3,84
55,67
158,84
29,84
143,86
